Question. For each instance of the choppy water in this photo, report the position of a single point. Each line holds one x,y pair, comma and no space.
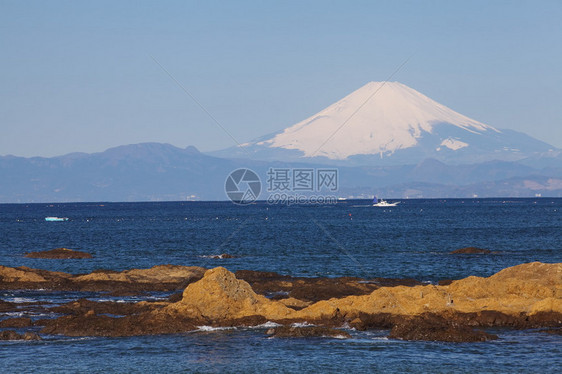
350,238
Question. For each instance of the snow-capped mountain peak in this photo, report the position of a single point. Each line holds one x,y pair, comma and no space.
378,118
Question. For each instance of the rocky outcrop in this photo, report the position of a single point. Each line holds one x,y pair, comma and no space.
471,251
528,288
59,253
295,304
220,296
315,289
436,328
12,335
135,281
523,296
156,274
18,322
83,306
557,331
531,288
6,306
91,324
221,256
25,275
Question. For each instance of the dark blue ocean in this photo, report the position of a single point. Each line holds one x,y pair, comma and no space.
351,238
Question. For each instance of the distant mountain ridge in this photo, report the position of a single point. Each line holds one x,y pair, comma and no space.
384,123
138,172
163,172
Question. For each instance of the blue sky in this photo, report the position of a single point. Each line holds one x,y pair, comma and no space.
78,75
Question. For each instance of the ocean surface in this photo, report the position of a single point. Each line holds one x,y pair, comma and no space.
350,238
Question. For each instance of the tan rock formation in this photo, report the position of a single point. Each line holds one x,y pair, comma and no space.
25,274
524,296
527,288
135,281
291,302
159,273
220,296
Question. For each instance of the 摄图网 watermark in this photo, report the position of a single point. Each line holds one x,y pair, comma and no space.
284,186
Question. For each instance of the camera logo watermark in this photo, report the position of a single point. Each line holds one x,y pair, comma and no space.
284,186
243,186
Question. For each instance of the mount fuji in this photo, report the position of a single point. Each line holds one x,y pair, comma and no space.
386,123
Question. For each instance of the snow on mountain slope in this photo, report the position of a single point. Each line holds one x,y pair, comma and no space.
453,144
378,118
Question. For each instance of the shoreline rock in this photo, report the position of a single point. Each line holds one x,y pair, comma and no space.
6,306
127,282
220,296
17,322
316,289
436,328
523,297
12,335
553,331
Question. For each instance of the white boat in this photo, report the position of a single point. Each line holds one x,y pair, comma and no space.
56,219
383,203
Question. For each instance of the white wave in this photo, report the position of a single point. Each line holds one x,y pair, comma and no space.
302,324
346,326
112,301
211,328
14,314
59,338
215,257
338,337
267,325
26,314
19,300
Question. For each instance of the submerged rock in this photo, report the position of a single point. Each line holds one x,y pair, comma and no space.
16,322
307,332
91,324
434,328
6,306
82,306
59,253
553,331
471,250
221,256
12,335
